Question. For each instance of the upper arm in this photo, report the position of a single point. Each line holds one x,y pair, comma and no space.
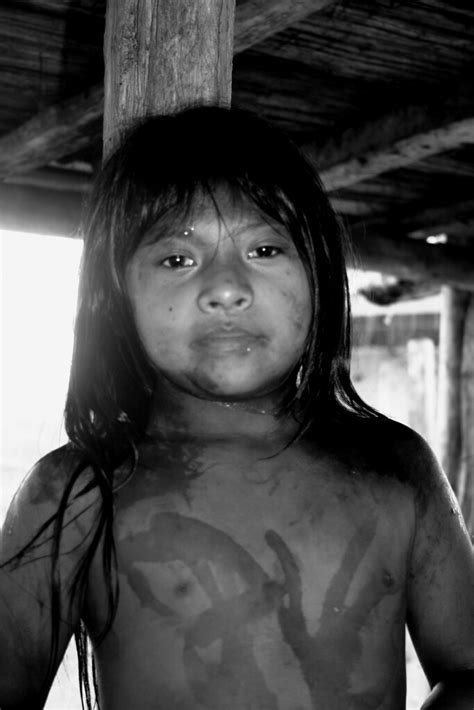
28,604
441,576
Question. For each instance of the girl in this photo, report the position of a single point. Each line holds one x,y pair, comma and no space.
230,525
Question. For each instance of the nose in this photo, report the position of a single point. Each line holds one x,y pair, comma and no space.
225,290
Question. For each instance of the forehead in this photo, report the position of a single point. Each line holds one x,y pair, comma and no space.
224,213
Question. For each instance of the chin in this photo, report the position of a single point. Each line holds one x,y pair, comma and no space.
234,388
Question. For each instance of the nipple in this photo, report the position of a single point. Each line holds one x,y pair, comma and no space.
182,588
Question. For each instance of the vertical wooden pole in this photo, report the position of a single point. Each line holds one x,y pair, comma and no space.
162,55
456,396
453,312
466,478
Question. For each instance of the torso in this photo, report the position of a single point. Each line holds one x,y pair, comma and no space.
263,584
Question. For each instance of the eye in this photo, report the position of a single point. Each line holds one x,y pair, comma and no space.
178,261
265,252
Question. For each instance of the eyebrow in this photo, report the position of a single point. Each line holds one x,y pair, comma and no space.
178,234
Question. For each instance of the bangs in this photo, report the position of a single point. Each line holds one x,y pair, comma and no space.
171,166
166,170
181,205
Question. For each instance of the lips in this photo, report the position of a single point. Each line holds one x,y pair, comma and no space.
227,340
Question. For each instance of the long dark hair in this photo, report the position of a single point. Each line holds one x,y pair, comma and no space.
155,177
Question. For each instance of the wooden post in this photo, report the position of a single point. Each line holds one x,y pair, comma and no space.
456,396
162,55
453,312
466,478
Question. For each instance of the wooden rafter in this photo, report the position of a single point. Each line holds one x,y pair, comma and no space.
255,20
450,219
31,209
66,128
57,212
54,179
415,260
453,218
399,154
56,132
397,140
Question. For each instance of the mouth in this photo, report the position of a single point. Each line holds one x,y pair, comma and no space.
228,340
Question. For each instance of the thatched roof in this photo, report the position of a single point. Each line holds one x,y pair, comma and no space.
379,92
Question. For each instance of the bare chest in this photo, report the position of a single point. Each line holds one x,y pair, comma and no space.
259,591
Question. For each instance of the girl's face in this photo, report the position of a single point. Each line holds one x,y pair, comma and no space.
222,306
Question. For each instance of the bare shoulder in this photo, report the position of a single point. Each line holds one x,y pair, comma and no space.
42,543
396,451
440,604
411,459
399,454
57,478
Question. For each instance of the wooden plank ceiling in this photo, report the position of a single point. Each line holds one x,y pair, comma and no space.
380,94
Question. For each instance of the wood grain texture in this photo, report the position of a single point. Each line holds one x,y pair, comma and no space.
466,478
399,154
258,19
449,423
391,42
52,133
64,129
398,139
357,88
162,55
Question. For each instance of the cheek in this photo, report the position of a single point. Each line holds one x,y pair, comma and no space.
297,306
302,314
156,325
154,315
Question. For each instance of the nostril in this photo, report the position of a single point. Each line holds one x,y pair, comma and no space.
225,299
235,303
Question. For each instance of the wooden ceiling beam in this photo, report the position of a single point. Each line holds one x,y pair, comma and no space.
75,181
54,179
396,140
346,207
450,219
255,20
415,260
39,210
32,209
56,132
65,129
420,221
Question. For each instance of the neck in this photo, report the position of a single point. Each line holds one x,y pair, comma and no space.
178,414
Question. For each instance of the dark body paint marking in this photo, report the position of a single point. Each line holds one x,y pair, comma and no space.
326,659
235,681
